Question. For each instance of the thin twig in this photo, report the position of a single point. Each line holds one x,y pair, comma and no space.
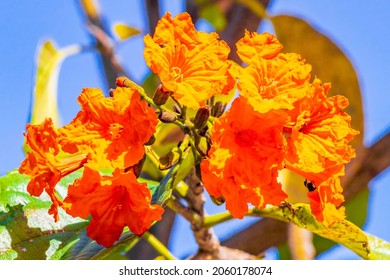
158,246
111,66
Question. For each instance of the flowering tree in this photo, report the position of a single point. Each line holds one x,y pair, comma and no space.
234,115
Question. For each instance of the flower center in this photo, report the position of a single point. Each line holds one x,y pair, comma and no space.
115,130
269,89
246,137
176,74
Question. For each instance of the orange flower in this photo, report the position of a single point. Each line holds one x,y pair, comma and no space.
271,80
246,154
318,135
254,46
317,131
113,202
191,64
114,130
44,165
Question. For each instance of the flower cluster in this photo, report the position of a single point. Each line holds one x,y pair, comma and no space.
108,133
192,65
283,119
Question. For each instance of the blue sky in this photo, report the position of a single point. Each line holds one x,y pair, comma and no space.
360,28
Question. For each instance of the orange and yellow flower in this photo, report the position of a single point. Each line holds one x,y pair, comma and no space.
318,135
271,80
46,164
191,64
107,132
113,203
281,120
113,130
325,201
244,160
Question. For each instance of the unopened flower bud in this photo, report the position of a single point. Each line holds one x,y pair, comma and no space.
137,168
218,109
151,141
218,200
123,82
201,117
176,109
167,117
161,96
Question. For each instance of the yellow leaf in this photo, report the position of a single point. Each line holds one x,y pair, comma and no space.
329,63
90,8
124,31
44,99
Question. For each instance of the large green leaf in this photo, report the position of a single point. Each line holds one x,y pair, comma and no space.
344,232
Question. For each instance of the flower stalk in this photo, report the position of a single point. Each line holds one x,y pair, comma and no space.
158,246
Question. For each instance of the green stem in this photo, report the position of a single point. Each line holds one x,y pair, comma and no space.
219,218
158,246
212,220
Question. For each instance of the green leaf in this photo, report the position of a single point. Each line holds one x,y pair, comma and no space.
44,98
29,233
176,174
329,63
164,190
344,232
358,204
124,32
187,162
380,249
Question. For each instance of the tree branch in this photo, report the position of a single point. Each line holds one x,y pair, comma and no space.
111,66
153,12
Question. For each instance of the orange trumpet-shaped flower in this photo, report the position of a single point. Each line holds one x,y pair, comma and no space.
254,46
46,164
113,130
246,154
191,64
113,203
271,80
318,135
